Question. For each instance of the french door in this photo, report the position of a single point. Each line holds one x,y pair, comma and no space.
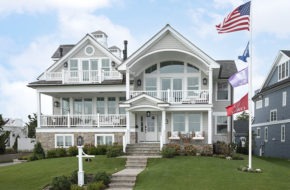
175,87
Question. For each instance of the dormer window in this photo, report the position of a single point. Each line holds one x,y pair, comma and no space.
89,50
283,71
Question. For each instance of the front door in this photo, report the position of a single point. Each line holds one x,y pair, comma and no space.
148,130
151,129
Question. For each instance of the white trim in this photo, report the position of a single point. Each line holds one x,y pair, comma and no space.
283,130
104,135
272,111
271,123
82,130
258,133
266,102
89,46
284,98
63,135
216,91
228,124
259,104
266,134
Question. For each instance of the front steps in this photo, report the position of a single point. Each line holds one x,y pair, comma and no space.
143,149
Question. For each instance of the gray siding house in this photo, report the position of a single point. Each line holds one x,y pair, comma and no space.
167,88
272,111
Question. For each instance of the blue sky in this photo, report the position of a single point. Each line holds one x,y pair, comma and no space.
31,30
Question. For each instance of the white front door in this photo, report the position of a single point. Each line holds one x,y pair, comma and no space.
151,129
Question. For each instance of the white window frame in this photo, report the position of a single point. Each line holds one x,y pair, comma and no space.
63,135
89,54
266,102
228,87
284,98
216,133
258,133
283,133
186,122
104,135
266,134
259,104
284,72
272,111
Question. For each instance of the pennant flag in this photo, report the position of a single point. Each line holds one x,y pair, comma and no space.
245,55
239,106
238,19
239,78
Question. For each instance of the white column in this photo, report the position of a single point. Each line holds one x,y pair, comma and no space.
81,171
128,127
209,130
127,84
38,108
163,128
210,86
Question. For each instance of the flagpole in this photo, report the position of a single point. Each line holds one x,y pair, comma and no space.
250,87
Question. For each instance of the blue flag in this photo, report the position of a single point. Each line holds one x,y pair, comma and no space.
245,55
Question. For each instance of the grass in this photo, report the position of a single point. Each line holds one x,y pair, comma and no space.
37,174
208,173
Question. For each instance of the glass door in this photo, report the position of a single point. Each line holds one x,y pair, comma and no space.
86,70
175,87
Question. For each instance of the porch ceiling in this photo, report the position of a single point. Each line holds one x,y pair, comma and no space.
166,55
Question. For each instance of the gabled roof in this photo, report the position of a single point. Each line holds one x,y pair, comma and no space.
168,29
65,50
286,52
227,69
75,48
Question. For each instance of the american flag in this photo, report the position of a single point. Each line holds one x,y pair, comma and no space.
238,19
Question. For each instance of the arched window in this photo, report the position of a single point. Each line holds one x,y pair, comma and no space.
171,67
192,69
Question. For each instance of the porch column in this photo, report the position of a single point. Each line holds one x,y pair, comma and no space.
210,86
38,108
209,130
128,135
127,84
163,128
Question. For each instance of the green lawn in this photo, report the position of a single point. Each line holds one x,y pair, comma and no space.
35,175
207,173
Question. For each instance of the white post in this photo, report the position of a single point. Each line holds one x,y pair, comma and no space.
98,115
38,109
68,119
99,75
210,86
128,126
80,172
168,95
209,130
163,128
127,84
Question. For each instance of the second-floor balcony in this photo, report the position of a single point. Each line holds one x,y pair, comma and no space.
83,121
177,96
93,76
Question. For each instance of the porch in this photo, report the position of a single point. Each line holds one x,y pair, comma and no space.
83,121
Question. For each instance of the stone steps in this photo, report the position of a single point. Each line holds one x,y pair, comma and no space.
143,149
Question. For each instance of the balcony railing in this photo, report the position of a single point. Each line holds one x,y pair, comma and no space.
177,96
99,120
94,76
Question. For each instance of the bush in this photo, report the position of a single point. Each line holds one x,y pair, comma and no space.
15,145
74,177
60,183
61,152
114,151
96,186
76,187
38,152
72,151
176,147
10,151
103,177
207,150
190,150
221,148
168,152
87,147
101,150
51,153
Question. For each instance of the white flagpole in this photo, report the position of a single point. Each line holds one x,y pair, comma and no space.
250,88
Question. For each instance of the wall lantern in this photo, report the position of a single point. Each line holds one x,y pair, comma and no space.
80,141
113,63
65,65
204,81
148,113
56,104
139,82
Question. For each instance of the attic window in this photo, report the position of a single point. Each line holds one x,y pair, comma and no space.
89,50
99,36
283,70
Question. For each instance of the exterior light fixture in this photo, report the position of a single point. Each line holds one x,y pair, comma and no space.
56,104
148,113
139,82
80,141
204,81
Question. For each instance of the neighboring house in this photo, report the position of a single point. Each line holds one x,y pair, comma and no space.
16,129
167,88
272,107
241,131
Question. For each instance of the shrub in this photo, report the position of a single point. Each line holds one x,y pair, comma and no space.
168,152
96,186
190,150
103,177
61,152
87,147
221,148
176,147
114,151
60,183
10,151
38,151
207,150
92,150
15,145
101,150
72,151
51,153
74,177
76,187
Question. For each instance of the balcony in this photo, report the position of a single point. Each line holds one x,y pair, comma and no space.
72,77
83,121
177,96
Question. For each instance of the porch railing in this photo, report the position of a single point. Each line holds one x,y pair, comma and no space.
99,120
94,76
177,96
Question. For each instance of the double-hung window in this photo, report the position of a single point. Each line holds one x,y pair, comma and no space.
283,70
273,115
112,105
104,139
266,134
222,91
221,124
101,105
284,98
283,134
64,140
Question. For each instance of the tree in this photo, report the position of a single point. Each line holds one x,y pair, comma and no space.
4,135
31,125
243,116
